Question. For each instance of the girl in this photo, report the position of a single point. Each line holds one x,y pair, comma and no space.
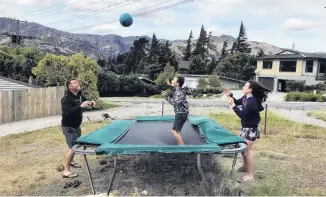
255,95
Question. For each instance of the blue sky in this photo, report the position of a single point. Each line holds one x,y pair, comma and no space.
277,22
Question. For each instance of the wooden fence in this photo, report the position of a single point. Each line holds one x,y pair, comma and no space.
27,104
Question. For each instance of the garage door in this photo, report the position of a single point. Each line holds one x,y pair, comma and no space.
267,82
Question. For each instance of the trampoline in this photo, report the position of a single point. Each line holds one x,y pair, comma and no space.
152,134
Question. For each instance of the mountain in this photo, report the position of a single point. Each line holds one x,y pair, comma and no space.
94,46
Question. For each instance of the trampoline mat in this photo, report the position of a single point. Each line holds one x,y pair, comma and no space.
159,133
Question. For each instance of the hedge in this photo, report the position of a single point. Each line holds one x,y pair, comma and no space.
305,97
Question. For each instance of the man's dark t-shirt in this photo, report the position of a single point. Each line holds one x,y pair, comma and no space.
72,113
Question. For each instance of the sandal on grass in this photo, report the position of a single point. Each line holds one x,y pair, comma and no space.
69,176
75,165
245,179
67,185
76,183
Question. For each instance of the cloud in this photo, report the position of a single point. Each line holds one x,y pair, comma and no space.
294,24
277,22
106,28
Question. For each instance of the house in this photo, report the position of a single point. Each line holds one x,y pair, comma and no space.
7,84
191,81
273,71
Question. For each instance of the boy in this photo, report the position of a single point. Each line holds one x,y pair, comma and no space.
180,104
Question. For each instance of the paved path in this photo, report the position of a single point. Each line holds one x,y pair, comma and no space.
131,107
127,110
300,116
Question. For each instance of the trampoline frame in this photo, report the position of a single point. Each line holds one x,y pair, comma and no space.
81,149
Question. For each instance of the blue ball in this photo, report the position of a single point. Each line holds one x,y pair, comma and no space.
126,20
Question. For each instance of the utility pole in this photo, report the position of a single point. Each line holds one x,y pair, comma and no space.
16,37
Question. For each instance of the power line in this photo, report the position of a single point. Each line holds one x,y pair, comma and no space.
137,14
47,7
72,3
93,12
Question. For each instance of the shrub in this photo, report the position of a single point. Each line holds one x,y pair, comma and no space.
214,81
111,84
210,94
295,86
108,83
304,97
299,86
202,83
199,95
167,74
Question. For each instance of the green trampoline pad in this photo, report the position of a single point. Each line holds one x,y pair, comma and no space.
152,134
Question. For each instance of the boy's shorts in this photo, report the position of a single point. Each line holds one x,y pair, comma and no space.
179,121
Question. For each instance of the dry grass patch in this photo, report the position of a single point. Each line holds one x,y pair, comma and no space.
29,160
319,114
289,158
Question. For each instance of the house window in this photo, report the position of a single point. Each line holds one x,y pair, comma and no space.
267,64
309,66
322,67
288,66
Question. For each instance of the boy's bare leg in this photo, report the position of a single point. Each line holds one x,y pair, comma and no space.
178,137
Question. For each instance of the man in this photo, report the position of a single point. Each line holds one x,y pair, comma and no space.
72,104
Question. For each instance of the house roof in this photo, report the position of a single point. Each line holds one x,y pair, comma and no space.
226,78
293,54
184,64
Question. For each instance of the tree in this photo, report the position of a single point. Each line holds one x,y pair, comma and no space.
197,65
108,83
211,65
187,52
154,50
214,81
234,46
55,70
167,74
237,66
136,53
261,53
242,44
17,63
201,44
224,53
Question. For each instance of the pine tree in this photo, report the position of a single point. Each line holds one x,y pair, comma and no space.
224,53
187,52
211,66
154,50
234,46
261,53
201,44
242,45
197,65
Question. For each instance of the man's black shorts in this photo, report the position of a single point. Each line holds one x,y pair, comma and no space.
71,134
179,121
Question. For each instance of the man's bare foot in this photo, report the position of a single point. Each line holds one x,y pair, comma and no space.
246,178
68,174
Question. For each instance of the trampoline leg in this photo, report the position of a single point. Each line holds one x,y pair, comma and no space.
233,164
89,174
201,172
113,173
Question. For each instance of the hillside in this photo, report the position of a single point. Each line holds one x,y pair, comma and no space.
94,46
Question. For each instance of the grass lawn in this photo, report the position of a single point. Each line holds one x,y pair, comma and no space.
290,160
107,105
319,114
